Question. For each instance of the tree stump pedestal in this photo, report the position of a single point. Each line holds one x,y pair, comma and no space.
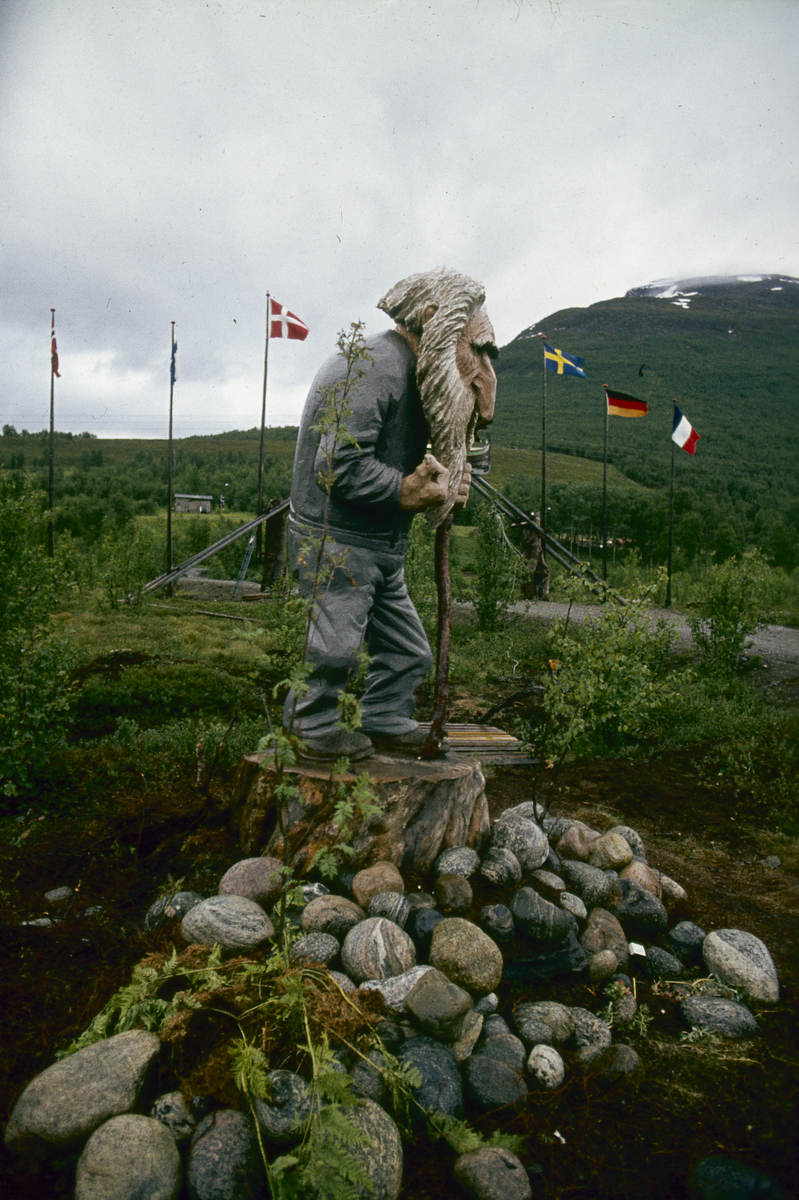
425,807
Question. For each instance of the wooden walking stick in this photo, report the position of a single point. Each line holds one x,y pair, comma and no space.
435,739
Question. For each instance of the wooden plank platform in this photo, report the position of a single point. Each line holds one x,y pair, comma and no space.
487,744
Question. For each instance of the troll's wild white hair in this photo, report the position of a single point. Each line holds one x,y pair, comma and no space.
448,405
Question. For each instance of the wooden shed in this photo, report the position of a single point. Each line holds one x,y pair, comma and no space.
192,504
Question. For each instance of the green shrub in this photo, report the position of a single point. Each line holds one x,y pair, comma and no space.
748,746
607,682
730,603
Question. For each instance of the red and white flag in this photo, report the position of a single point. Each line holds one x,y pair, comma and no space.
54,354
683,432
284,324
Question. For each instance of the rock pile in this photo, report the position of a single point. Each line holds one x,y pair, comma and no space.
579,902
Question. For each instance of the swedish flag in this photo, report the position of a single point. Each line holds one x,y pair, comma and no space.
564,364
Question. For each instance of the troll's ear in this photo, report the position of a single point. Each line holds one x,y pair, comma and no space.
428,312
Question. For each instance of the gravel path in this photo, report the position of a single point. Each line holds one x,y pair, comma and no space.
774,643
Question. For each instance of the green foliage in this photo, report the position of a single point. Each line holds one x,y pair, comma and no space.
167,752
126,562
34,662
420,568
137,1005
729,355
497,568
606,682
730,604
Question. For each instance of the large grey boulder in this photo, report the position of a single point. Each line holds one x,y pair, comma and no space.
540,919
718,1178
441,1088
381,1155
439,1005
591,884
396,988
458,860
224,1159
546,1067
172,907
611,851
258,879
69,1100
715,1014
641,914
127,1158
536,1016
526,840
174,1114
283,1116
491,1083
501,867
603,931
335,915
492,1173
235,923
380,877
742,961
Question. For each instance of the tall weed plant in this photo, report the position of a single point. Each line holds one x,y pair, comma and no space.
498,564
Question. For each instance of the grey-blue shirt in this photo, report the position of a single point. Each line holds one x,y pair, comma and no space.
390,434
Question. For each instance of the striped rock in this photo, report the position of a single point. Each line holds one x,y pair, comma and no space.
232,922
377,949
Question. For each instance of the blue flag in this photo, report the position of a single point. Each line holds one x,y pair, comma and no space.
564,364
172,369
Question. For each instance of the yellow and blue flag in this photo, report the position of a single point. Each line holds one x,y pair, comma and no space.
564,364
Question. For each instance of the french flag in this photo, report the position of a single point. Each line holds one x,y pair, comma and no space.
683,432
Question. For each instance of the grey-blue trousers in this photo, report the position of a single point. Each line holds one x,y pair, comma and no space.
364,602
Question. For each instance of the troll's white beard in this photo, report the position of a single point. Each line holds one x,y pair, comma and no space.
451,413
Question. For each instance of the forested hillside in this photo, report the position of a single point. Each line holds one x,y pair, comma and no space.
725,350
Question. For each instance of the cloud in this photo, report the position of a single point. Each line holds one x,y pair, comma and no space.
172,161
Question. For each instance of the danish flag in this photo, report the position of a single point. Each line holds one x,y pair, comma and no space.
284,324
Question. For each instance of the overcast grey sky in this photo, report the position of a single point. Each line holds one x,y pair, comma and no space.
173,160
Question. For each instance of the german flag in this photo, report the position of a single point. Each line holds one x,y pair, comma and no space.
622,405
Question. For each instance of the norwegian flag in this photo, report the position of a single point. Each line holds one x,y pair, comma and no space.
54,353
284,324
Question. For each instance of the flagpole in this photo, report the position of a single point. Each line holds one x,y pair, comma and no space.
50,527
671,527
258,554
605,491
543,433
169,457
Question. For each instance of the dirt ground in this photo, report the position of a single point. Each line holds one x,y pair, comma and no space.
735,1099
